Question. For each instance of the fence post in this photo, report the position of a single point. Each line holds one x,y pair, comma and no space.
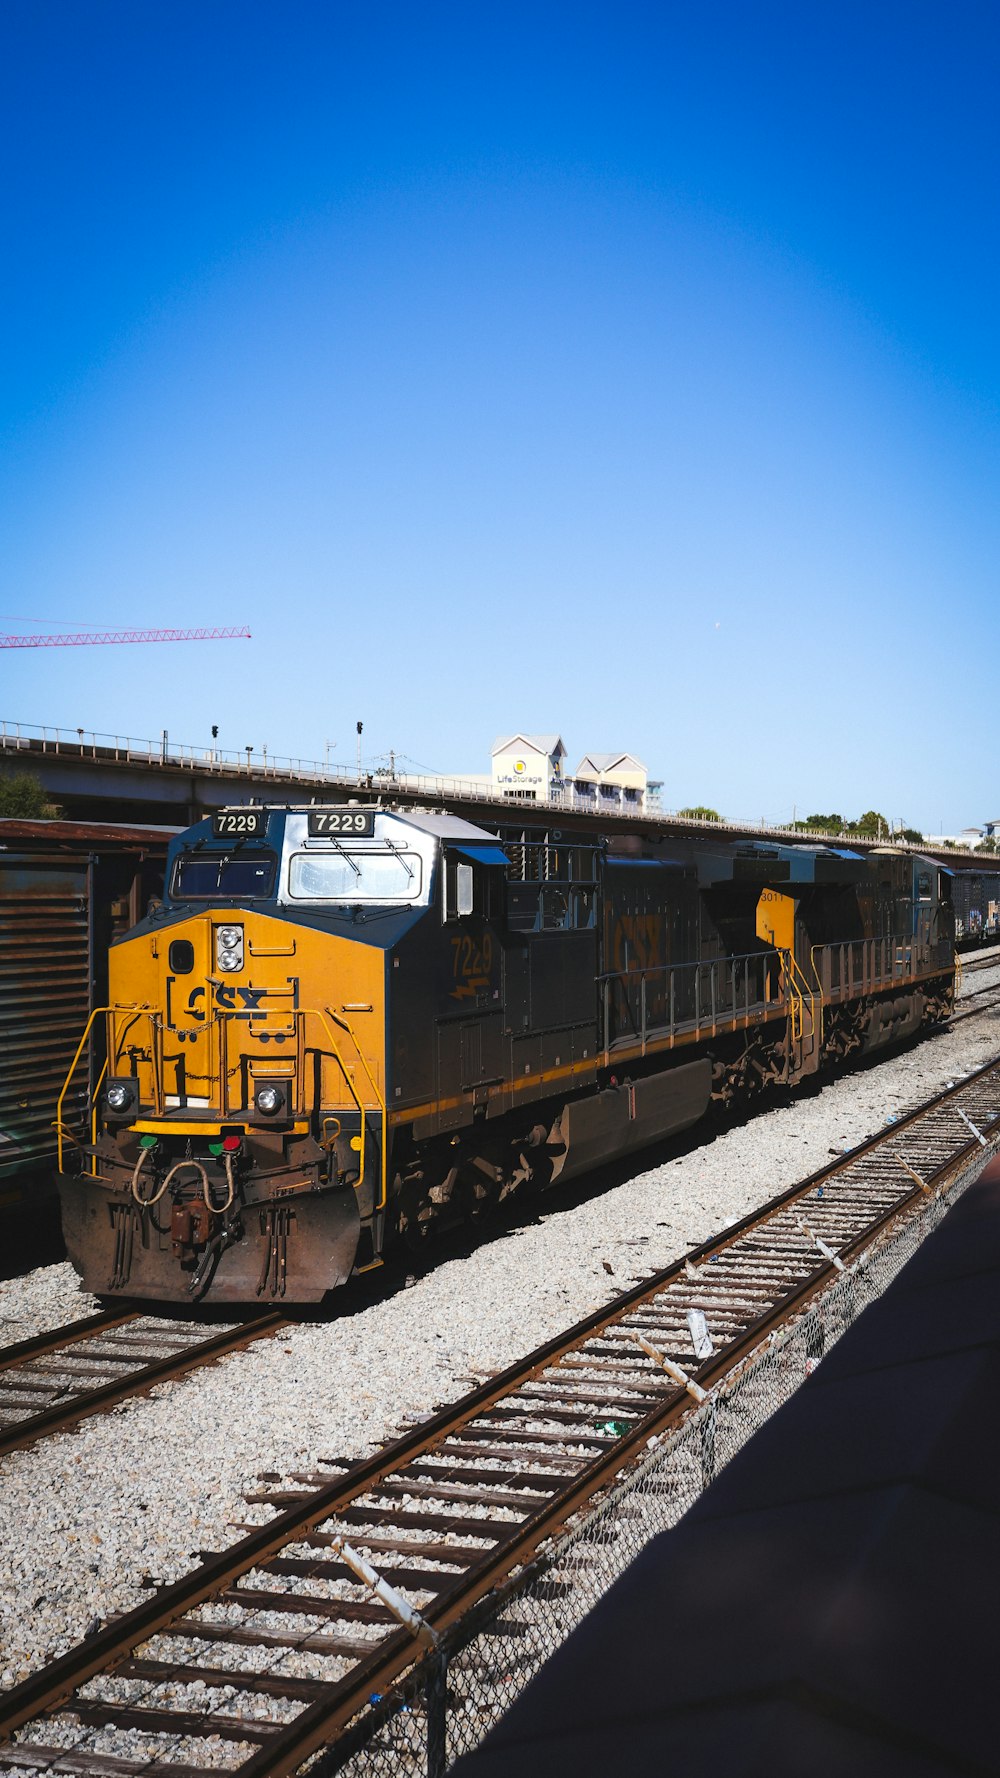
436,1696
815,1335
708,1428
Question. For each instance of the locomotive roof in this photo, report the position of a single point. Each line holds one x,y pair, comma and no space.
446,827
441,825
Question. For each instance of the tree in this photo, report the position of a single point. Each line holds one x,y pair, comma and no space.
987,845
821,824
23,799
911,834
872,824
700,813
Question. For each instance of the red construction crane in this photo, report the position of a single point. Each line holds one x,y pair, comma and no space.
82,638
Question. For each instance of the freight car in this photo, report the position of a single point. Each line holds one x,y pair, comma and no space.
976,901
67,890
344,1025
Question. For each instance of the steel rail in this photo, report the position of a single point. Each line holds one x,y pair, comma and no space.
59,1416
558,1497
54,1339
974,1012
975,993
990,961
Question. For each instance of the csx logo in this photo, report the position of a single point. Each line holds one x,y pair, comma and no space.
637,942
229,998
202,1003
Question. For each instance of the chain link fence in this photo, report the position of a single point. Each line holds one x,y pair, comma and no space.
451,1700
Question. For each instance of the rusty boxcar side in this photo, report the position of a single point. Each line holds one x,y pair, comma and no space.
67,889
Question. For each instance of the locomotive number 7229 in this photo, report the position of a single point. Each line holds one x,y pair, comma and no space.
335,821
248,823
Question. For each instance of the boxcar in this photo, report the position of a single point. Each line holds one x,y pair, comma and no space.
67,890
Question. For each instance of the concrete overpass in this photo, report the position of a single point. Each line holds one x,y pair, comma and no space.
114,778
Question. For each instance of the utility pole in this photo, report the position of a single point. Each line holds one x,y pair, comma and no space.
360,727
326,754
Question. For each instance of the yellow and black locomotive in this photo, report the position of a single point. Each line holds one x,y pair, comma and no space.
344,1025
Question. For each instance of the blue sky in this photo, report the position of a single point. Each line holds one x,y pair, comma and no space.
629,372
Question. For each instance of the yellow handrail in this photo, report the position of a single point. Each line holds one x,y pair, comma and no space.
799,992
93,1114
98,1010
795,1013
377,1094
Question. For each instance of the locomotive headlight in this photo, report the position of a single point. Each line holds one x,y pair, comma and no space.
268,1100
121,1098
229,947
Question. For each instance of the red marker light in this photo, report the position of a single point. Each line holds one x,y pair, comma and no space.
230,1144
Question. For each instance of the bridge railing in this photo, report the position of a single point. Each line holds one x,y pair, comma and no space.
259,763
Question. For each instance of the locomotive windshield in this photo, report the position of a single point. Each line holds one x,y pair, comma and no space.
355,876
198,876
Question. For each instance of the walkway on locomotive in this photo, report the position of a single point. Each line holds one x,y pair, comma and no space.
788,931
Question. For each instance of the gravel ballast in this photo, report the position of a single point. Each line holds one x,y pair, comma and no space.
94,1517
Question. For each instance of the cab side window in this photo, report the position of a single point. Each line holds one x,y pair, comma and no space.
460,889
469,889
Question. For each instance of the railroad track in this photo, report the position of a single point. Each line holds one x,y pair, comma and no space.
977,994
975,967
51,1382
989,959
271,1647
